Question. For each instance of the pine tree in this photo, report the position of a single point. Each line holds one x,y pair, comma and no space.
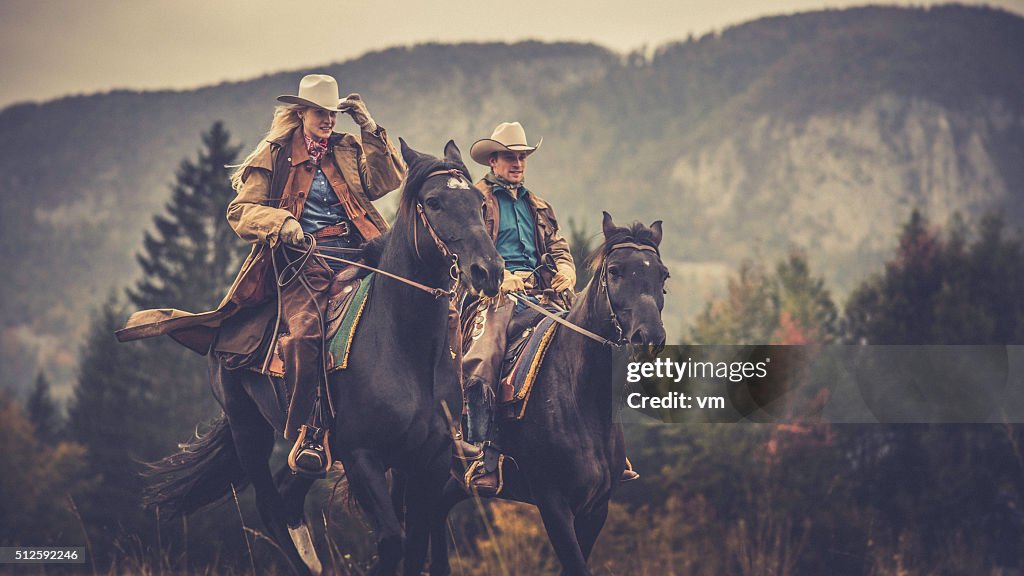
943,290
193,254
580,245
189,262
42,411
114,412
134,402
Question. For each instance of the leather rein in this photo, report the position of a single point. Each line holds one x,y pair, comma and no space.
604,287
453,272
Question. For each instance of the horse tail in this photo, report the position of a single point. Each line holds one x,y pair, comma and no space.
202,473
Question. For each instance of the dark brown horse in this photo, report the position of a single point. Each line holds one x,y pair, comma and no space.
389,401
568,450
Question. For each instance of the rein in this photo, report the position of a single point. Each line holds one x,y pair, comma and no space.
437,293
561,320
604,286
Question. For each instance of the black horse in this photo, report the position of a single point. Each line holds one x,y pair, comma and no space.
388,401
568,452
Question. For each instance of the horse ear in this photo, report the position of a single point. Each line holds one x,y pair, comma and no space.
452,152
607,225
656,232
408,154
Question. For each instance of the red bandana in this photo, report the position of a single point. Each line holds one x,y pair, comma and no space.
316,148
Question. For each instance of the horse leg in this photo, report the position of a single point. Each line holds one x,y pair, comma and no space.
422,509
254,441
588,528
452,495
399,481
293,491
558,521
369,485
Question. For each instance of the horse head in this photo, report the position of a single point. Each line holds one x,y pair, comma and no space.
439,197
631,277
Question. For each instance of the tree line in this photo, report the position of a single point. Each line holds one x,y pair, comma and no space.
716,498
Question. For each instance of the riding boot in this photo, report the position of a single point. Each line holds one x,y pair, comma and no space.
302,308
481,369
480,417
484,475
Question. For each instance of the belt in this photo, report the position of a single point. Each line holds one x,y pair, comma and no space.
333,231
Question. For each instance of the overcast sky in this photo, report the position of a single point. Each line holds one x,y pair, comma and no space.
56,48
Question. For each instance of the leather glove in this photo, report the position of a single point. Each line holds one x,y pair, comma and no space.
291,233
564,279
354,106
512,283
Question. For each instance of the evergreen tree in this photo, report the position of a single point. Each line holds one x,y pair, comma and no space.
939,290
580,245
958,287
42,411
134,402
114,412
193,254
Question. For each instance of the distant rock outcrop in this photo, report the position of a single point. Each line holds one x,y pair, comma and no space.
821,130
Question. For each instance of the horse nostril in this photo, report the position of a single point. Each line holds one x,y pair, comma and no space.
638,338
479,275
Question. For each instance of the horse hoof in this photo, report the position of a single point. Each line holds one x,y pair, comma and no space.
304,546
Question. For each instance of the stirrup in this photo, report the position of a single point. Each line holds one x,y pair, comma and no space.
309,457
465,452
474,481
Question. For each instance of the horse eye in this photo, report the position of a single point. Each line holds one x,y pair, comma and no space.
433,203
614,271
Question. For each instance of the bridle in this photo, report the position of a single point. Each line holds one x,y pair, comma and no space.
620,339
604,283
453,271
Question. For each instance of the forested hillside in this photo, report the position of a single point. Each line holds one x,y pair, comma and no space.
820,130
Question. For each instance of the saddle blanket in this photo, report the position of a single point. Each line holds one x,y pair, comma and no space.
522,364
344,310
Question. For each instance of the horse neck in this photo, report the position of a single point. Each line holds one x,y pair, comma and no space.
590,361
411,312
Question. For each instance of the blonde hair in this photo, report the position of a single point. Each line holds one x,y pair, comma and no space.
286,119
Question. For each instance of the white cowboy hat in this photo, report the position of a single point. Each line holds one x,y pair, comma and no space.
318,90
507,137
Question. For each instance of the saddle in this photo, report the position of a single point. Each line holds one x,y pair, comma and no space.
529,336
348,296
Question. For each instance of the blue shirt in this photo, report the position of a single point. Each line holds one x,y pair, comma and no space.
322,207
517,240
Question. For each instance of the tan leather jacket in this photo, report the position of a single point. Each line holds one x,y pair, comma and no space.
549,240
367,167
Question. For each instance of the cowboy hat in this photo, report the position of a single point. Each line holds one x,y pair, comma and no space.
317,90
507,137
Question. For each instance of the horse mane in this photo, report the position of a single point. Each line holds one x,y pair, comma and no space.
417,174
636,232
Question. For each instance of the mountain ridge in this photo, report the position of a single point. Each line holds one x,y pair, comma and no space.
839,121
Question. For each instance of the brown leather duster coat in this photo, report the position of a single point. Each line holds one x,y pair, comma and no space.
549,240
274,188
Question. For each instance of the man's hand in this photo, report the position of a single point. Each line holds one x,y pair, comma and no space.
564,279
291,233
512,283
354,106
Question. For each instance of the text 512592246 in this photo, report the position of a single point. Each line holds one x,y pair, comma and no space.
41,555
